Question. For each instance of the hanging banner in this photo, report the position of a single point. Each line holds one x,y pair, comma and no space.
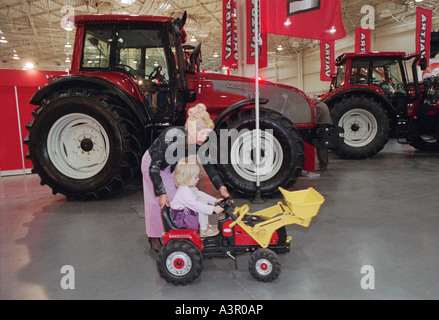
423,32
311,19
363,39
252,38
230,41
327,57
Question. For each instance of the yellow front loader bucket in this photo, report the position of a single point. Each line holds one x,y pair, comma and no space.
304,204
301,207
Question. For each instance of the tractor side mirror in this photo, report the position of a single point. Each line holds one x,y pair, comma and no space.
423,63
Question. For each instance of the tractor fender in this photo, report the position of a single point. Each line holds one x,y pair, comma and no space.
235,107
91,82
375,94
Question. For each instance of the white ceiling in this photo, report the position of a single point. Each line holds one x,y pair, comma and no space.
33,29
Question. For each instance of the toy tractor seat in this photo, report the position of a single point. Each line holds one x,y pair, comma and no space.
168,224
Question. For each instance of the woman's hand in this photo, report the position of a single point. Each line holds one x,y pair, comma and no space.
163,201
224,192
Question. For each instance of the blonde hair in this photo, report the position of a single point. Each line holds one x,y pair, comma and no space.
184,171
198,118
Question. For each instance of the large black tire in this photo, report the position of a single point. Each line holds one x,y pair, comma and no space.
179,262
264,265
282,152
366,126
83,144
424,143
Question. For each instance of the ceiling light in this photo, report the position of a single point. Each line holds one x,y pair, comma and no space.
127,1
68,45
215,55
29,65
69,26
3,40
16,57
280,48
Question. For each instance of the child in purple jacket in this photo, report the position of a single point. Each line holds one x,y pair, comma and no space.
190,206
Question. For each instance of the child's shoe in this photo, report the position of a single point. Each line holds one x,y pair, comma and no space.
209,232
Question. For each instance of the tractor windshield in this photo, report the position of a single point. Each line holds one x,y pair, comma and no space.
386,73
145,55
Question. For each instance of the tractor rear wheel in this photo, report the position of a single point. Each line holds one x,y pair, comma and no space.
83,144
179,262
366,126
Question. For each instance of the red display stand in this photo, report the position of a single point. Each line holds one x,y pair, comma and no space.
16,89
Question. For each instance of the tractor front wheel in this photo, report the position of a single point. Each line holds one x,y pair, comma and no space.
365,124
264,265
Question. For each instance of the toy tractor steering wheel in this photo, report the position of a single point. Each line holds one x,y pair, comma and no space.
226,204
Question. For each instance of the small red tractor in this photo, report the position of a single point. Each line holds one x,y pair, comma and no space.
131,77
374,97
261,234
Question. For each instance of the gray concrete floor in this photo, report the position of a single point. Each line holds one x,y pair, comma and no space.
381,212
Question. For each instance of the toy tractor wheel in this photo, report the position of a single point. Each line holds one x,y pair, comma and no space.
365,124
282,152
83,144
179,262
264,265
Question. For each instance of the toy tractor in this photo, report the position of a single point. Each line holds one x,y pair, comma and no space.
262,234
373,99
132,77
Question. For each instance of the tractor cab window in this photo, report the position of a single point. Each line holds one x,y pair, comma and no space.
97,49
338,81
386,73
142,54
359,71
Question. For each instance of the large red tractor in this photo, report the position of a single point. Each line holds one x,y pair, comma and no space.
131,77
376,96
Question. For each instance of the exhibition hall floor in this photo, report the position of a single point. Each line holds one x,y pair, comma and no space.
376,237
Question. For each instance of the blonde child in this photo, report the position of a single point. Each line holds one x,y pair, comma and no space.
190,206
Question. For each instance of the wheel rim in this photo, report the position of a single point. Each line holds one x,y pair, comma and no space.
179,263
360,127
78,146
264,267
243,156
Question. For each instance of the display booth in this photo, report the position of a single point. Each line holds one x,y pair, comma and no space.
16,89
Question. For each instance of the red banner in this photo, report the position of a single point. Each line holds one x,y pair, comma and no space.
327,57
423,32
230,41
312,19
363,39
252,39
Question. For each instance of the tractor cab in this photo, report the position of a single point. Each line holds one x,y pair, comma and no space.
149,53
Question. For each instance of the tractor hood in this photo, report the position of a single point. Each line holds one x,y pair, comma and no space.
220,91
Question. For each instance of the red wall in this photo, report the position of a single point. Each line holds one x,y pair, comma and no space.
16,89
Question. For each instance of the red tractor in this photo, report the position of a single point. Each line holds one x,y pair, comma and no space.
374,97
131,77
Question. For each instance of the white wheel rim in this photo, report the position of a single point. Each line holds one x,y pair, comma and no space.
242,156
264,267
78,146
360,127
179,263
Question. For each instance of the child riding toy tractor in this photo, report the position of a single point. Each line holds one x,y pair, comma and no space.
262,234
